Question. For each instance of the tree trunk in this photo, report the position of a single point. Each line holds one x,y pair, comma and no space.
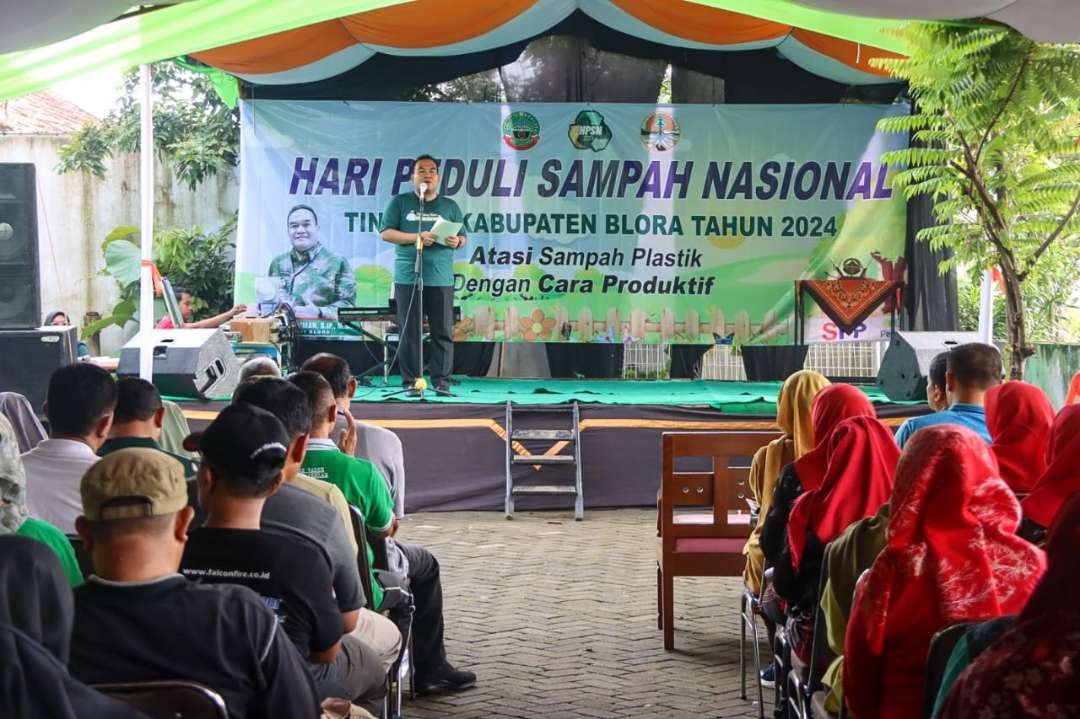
1019,349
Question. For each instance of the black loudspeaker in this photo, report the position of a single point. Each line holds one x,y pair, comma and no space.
29,357
187,363
907,361
20,294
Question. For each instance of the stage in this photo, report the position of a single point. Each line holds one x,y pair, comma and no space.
455,447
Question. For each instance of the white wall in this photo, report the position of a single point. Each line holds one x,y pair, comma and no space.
76,212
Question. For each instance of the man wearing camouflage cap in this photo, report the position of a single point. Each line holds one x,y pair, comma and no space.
313,279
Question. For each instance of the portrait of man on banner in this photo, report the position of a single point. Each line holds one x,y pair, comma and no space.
311,278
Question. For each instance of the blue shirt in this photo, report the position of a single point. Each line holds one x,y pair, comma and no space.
972,416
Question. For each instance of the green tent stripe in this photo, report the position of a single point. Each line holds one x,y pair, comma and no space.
162,34
866,30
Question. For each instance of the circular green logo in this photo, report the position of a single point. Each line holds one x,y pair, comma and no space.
521,130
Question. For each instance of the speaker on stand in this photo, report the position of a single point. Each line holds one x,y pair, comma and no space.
20,291
907,361
195,364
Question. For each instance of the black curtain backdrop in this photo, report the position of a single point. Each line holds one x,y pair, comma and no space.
580,60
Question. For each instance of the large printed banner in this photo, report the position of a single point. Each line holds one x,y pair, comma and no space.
585,223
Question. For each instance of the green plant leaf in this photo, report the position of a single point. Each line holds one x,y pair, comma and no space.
122,260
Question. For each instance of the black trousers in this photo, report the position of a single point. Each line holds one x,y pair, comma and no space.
429,650
439,310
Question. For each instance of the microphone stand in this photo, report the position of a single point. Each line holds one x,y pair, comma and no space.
420,384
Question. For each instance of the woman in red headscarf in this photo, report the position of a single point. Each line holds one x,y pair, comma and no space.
1061,478
1019,416
951,556
831,406
1031,670
861,457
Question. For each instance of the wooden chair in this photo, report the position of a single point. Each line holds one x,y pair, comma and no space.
708,541
171,699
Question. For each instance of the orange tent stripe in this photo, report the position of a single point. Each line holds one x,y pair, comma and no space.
700,23
852,54
280,51
432,23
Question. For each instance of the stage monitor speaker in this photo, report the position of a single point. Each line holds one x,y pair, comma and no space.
907,361
20,292
187,363
29,357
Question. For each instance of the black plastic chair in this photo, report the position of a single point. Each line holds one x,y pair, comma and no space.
937,658
400,610
169,699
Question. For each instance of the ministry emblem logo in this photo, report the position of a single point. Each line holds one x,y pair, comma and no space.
660,132
589,131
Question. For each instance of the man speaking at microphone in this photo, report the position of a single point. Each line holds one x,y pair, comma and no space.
403,225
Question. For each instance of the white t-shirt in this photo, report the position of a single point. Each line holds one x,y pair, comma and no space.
54,470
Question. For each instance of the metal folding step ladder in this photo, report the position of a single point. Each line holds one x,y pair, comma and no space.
516,440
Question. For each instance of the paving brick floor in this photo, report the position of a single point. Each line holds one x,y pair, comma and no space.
558,619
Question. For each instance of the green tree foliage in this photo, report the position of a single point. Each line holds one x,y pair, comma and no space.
194,131
201,262
995,131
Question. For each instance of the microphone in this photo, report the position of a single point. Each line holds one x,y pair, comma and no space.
423,188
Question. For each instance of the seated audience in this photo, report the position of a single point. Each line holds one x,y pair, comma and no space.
259,366
138,619
36,615
174,430
971,369
1019,416
364,486
846,558
243,454
861,458
793,418
1061,478
28,429
15,517
79,406
1031,670
831,406
357,479
138,419
317,510
187,312
951,556
937,395
379,446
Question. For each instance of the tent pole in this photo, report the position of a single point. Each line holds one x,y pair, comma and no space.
146,234
986,308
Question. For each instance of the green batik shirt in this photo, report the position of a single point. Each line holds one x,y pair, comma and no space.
317,278
403,214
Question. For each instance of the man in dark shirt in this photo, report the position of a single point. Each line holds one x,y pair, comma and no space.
137,619
243,452
137,420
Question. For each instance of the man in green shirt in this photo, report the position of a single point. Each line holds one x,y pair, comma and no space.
137,420
403,226
365,487
315,280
